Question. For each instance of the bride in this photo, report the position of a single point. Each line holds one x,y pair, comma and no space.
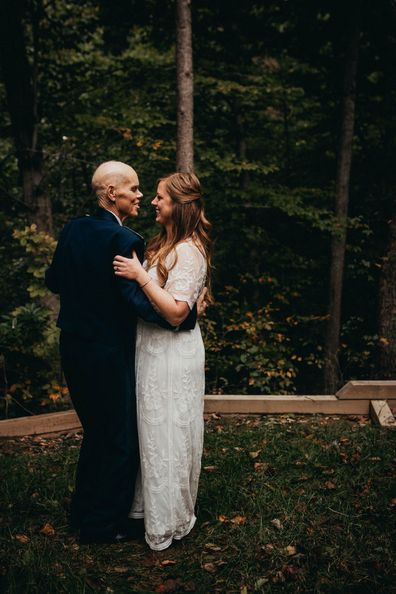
170,378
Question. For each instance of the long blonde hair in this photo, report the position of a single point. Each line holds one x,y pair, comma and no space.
188,222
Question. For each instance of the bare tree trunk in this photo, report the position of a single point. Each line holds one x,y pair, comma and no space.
244,183
387,308
185,88
332,374
20,80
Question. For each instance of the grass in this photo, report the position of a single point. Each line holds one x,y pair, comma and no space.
286,504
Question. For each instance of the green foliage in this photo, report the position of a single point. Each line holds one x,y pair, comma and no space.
246,350
29,351
268,87
39,248
29,337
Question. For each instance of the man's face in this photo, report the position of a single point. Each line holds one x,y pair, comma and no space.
127,196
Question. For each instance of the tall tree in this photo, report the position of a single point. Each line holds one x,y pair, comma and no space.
338,243
185,87
21,84
387,307
387,182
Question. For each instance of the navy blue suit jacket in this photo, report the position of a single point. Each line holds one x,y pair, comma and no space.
95,304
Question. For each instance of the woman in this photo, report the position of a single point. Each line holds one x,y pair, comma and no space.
170,377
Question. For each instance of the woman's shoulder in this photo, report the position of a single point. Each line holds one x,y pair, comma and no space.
189,247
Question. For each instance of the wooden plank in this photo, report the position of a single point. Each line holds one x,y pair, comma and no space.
370,389
38,424
229,404
381,414
330,405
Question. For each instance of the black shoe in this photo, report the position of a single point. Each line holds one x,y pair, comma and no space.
133,528
103,537
74,524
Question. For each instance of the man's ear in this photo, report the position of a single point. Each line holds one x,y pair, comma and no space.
111,193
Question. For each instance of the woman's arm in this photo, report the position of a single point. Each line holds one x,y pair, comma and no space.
175,312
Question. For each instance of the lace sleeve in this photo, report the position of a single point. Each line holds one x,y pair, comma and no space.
187,278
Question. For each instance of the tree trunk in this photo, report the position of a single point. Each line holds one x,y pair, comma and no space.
244,182
20,80
387,308
332,375
185,88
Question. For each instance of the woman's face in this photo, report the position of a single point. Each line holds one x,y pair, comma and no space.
163,205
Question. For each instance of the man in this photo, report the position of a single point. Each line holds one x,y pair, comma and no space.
98,322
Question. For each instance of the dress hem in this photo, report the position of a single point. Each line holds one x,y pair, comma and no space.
168,542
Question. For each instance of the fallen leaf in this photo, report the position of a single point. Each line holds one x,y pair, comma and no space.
291,550
260,466
254,455
278,577
260,583
244,590
166,562
393,502
238,520
210,567
268,547
47,530
22,538
120,569
277,523
151,561
292,571
330,486
310,531
210,468
328,471
169,586
222,518
212,547
93,584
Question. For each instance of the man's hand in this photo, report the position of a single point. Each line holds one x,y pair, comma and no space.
201,303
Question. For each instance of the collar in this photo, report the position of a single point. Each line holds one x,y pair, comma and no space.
102,213
116,216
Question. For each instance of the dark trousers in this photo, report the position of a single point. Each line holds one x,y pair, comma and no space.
101,382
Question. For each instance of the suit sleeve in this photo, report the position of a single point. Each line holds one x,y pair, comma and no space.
131,292
51,281
51,278
190,321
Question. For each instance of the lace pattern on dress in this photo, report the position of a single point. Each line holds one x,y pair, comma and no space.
170,385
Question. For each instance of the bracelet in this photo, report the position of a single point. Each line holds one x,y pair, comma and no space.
146,283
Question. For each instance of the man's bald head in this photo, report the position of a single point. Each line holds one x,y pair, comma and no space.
116,186
110,173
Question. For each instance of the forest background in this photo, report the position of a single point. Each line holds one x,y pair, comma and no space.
87,81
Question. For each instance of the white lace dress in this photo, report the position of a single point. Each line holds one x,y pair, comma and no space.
170,382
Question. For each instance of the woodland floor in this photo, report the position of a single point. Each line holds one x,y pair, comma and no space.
286,504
